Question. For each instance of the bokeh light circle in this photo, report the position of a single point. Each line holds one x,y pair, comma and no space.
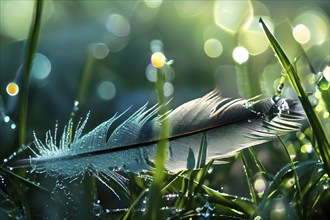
106,90
100,50
301,33
41,66
118,25
12,89
213,48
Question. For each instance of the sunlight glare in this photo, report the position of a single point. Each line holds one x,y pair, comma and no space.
240,55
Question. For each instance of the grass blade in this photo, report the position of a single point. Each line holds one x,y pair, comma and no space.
201,161
31,47
253,168
323,146
155,203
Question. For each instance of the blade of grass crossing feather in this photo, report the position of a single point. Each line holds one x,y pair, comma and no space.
171,182
184,192
128,214
296,178
31,47
196,180
202,153
323,146
22,179
155,203
253,168
201,175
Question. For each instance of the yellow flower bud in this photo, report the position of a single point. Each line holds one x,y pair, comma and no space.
158,59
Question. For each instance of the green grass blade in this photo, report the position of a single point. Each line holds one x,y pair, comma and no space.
296,178
244,82
155,203
235,203
252,168
130,211
201,161
323,146
319,196
85,79
26,182
31,47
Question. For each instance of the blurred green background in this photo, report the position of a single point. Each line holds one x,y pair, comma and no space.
214,44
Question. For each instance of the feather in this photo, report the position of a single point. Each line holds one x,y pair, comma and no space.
228,125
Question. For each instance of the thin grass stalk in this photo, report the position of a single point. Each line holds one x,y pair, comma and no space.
85,79
130,211
243,81
296,179
323,144
249,178
31,46
82,90
155,201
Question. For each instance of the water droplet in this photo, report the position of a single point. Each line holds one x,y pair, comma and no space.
76,103
97,209
13,126
7,119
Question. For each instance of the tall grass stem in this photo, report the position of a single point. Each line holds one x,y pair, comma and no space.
31,46
154,203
